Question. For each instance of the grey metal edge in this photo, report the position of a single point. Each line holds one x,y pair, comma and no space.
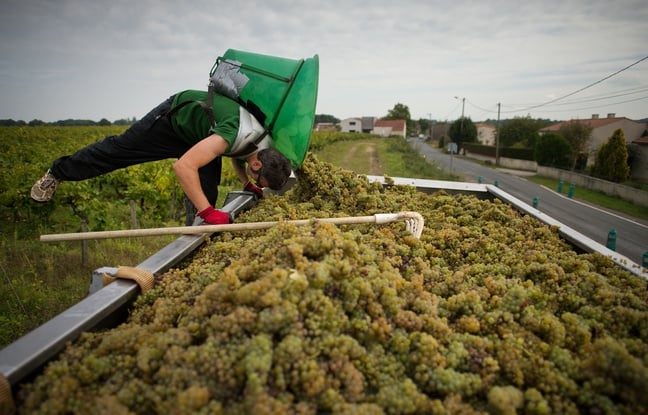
29,353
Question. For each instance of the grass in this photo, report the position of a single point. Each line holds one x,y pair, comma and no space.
636,185
398,159
394,156
595,197
39,280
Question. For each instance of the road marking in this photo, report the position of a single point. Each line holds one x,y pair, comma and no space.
596,208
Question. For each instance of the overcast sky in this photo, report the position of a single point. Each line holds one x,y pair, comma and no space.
116,59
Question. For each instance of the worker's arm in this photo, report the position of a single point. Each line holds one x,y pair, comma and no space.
186,168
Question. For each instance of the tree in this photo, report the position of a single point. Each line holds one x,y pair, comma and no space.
326,118
553,150
463,131
522,131
399,112
123,121
612,159
10,123
425,126
578,135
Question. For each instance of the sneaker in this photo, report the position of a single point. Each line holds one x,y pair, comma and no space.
44,188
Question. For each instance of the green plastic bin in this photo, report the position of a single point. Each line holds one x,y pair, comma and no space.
280,92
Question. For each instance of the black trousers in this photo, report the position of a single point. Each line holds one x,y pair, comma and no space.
152,138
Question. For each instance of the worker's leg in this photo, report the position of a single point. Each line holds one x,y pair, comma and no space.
149,139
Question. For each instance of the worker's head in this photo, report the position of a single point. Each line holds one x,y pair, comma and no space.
274,170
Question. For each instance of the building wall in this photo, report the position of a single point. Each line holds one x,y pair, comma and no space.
639,168
325,126
382,131
600,135
351,125
440,130
368,124
385,128
486,134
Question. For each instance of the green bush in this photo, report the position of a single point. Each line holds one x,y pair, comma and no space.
612,159
554,151
509,152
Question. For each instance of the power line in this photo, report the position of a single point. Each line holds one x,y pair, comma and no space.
453,110
604,97
627,91
586,108
586,87
583,100
593,98
480,108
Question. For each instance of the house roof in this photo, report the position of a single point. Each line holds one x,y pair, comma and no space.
396,125
592,122
641,140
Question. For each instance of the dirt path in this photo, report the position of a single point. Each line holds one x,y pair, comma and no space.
374,164
363,154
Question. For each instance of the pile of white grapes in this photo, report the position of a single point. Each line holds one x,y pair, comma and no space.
490,312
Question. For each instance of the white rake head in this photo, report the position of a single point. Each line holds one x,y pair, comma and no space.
414,221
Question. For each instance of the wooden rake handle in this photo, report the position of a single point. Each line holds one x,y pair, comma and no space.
414,224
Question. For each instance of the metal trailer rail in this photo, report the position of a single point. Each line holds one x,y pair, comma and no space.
488,191
107,306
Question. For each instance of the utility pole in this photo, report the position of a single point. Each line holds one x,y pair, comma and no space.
463,105
497,135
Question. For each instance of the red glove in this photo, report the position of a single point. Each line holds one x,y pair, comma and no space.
251,187
214,217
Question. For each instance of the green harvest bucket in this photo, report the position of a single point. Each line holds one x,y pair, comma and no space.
281,93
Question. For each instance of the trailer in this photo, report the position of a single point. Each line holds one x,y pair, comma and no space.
107,306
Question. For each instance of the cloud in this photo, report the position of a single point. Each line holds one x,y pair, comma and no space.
119,58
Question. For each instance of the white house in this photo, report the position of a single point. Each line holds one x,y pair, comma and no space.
351,125
486,134
385,128
602,130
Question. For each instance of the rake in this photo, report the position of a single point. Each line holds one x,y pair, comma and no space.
413,221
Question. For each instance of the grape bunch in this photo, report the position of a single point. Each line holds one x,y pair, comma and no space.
490,312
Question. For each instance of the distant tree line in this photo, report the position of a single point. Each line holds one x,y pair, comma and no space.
65,123
326,118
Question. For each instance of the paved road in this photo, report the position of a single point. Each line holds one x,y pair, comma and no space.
591,221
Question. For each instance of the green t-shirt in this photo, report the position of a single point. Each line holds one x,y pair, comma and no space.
191,121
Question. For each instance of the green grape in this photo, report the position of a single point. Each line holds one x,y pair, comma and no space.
505,400
488,312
